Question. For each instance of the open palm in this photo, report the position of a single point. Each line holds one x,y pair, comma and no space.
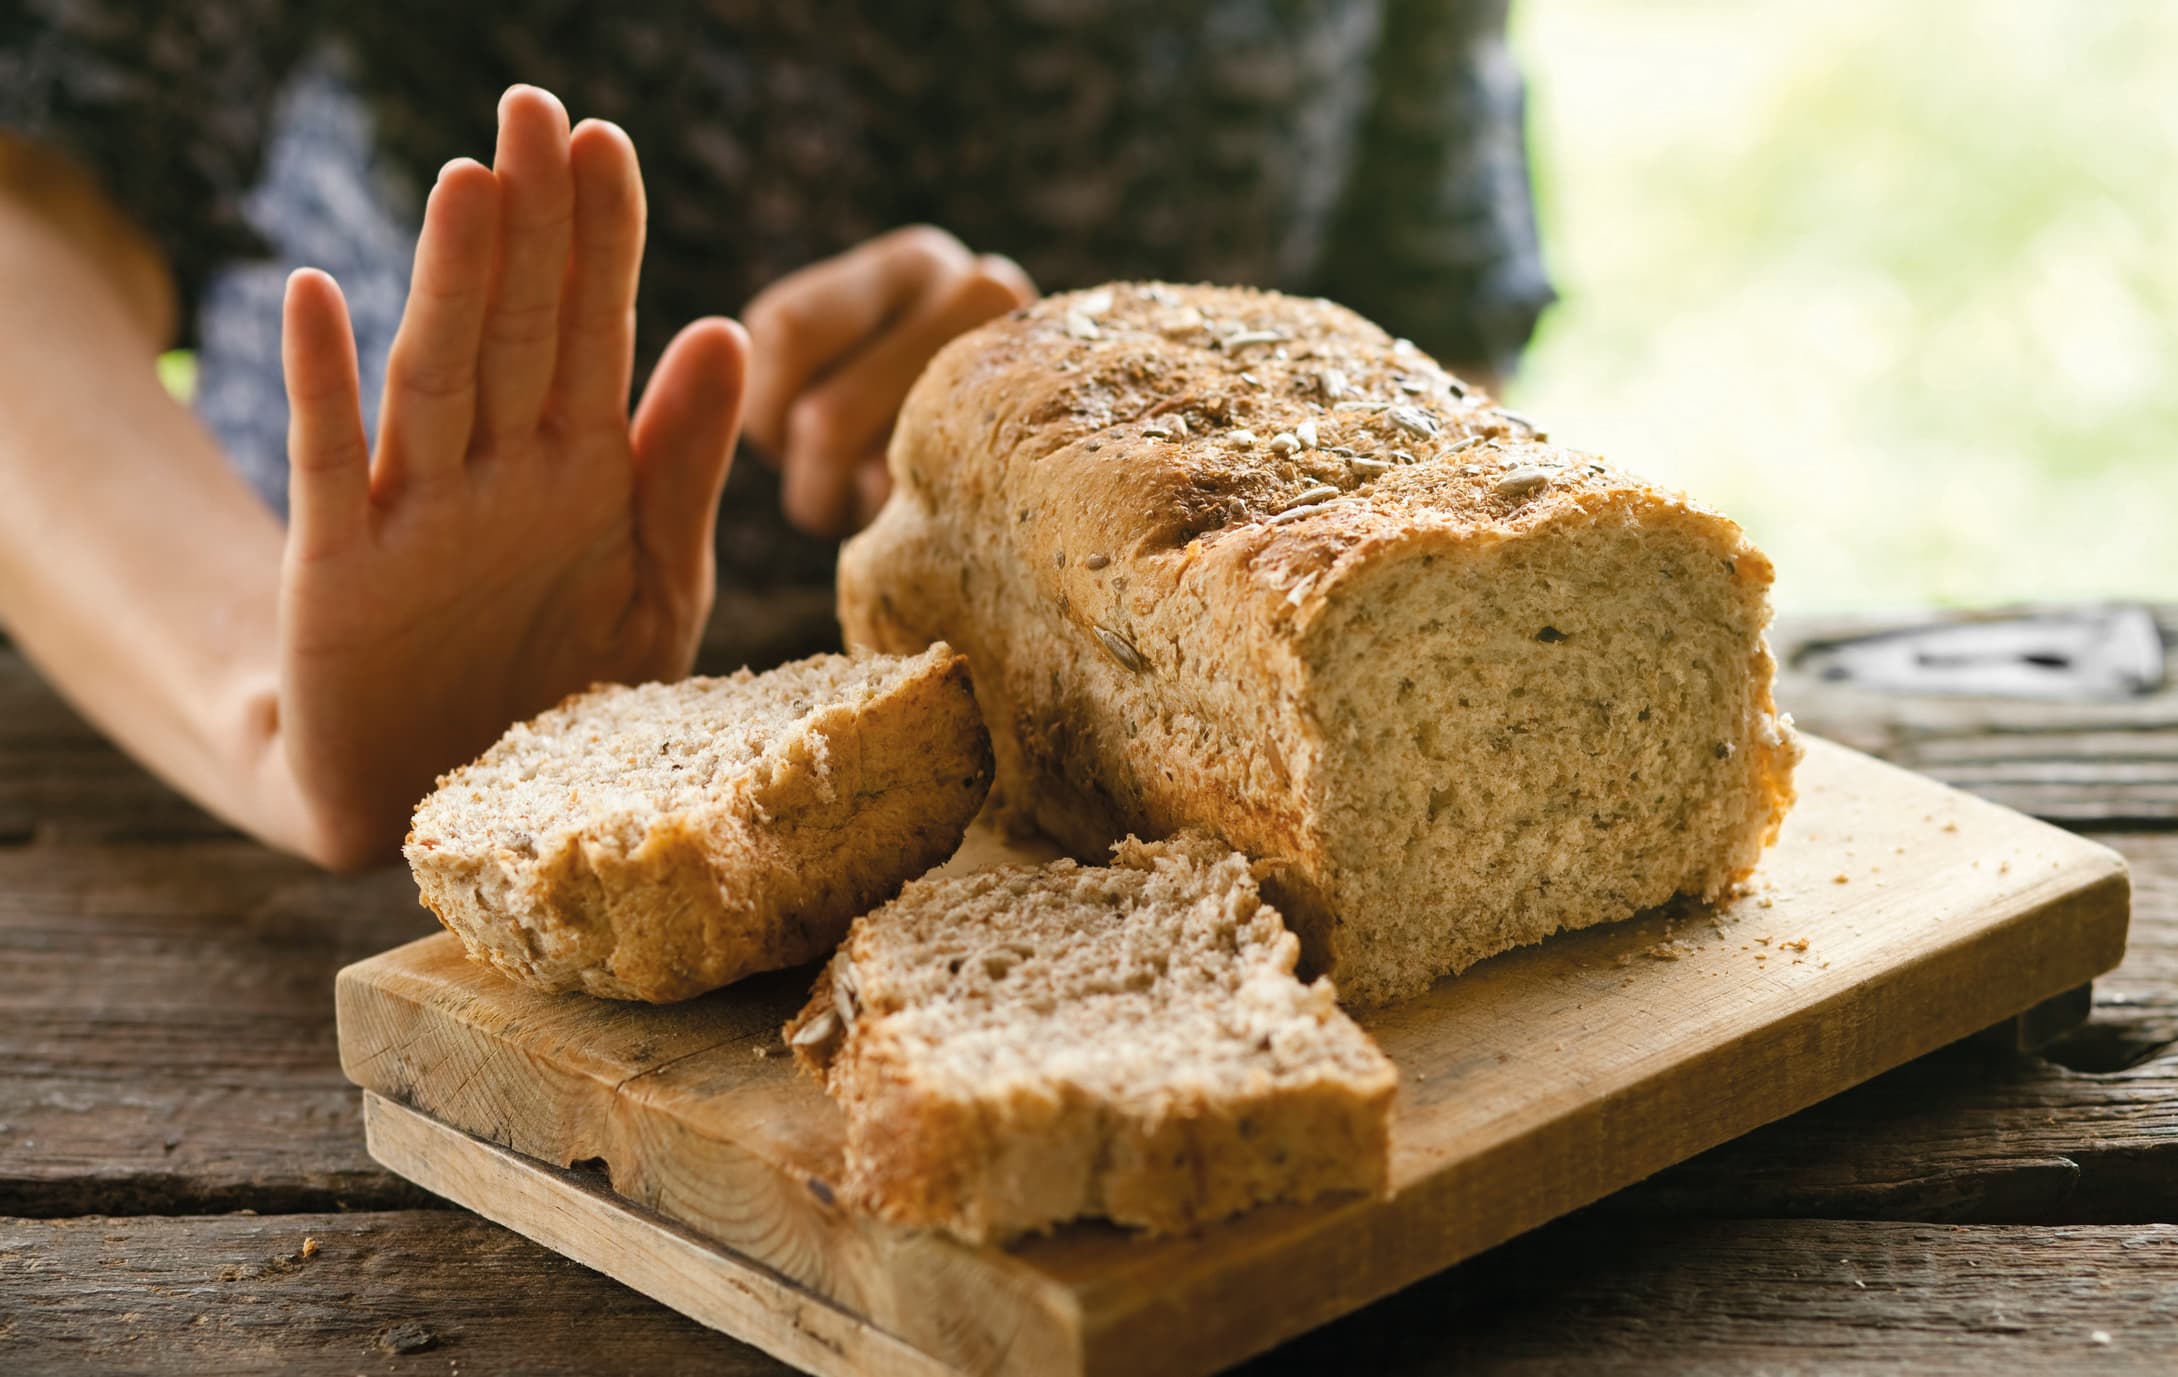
515,537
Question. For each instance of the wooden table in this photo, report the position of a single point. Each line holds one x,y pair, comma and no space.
184,1186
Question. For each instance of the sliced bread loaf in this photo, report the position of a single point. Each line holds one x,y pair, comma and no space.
1242,562
660,841
1022,1046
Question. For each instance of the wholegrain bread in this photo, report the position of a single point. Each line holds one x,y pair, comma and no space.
660,841
1022,1046
1238,561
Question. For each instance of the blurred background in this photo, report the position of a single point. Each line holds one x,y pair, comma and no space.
1894,284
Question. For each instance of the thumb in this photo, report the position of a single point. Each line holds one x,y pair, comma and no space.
684,436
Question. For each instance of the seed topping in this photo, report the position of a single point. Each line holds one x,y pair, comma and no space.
1122,649
1521,481
1309,497
1414,421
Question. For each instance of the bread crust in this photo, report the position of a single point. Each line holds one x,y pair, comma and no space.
992,1161
836,815
1110,503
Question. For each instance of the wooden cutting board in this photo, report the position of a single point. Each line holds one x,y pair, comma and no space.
1894,916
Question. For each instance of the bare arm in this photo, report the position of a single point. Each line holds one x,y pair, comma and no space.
516,536
136,569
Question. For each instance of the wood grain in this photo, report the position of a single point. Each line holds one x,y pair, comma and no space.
1533,1085
60,780
231,1293
1775,1297
2085,1130
436,1292
577,1215
166,1029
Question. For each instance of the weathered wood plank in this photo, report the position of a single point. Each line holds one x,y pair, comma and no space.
2097,763
428,1291
1775,1296
577,1214
61,780
2086,1130
166,1028
442,1292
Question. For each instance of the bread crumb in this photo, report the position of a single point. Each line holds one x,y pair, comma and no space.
310,1247
2098,1337
1796,944
1669,951
1841,878
760,1051
1952,826
2004,868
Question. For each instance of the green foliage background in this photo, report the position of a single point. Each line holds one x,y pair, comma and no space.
1894,282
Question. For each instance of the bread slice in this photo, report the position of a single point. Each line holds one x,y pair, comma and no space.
1237,561
660,841
1018,1047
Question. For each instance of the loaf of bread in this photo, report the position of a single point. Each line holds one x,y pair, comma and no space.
1238,561
1022,1046
657,842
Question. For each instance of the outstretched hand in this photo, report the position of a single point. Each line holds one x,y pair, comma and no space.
516,536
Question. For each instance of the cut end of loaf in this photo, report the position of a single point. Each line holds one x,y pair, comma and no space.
1023,1046
658,841
1528,735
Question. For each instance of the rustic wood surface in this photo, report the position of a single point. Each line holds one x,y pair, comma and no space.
1533,1085
167,1062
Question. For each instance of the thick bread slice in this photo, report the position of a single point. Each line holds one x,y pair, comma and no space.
657,842
1022,1046
1238,561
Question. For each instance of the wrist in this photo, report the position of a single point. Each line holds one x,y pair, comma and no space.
287,806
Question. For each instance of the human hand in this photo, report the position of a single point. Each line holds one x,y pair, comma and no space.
835,348
516,537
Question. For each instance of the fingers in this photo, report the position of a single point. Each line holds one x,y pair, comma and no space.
849,413
597,326
684,435
805,323
329,465
431,375
522,327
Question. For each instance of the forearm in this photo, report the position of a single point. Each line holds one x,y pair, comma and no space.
136,570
